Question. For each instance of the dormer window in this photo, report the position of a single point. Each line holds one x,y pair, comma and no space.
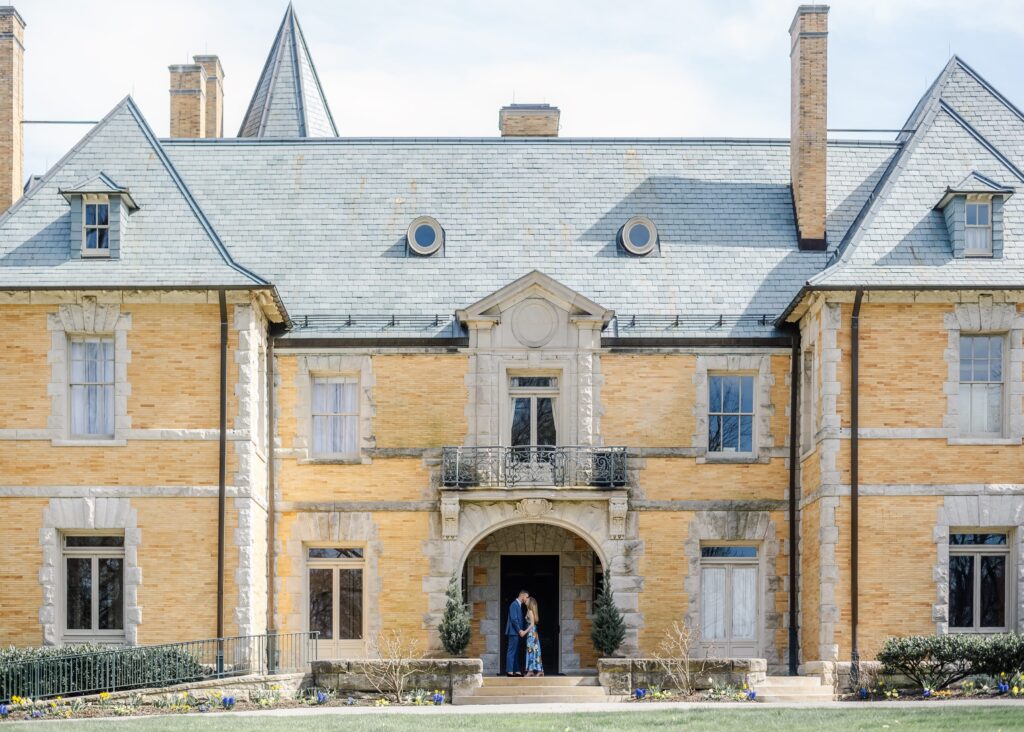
978,232
99,217
96,242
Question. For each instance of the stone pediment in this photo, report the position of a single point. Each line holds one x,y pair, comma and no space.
534,286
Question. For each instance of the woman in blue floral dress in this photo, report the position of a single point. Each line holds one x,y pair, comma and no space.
534,663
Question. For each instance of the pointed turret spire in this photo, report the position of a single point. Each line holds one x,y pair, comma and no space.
288,101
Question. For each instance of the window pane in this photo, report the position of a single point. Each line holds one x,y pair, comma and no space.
111,601
425,235
979,408
334,552
961,591
983,214
91,541
712,603
715,394
90,214
350,604
747,391
730,433
546,432
994,408
79,593
715,433
520,421
536,382
976,239
730,394
993,592
744,552
102,214
321,603
990,539
91,238
102,242
746,434
744,601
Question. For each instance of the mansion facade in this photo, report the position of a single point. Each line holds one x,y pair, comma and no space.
293,381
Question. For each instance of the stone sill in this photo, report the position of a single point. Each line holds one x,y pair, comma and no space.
984,441
741,458
89,443
331,461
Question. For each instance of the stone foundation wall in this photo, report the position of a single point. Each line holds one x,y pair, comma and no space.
623,675
445,674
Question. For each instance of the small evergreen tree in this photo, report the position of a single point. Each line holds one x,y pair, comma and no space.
609,628
455,627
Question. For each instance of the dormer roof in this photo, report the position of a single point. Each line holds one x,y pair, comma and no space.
288,100
974,184
100,185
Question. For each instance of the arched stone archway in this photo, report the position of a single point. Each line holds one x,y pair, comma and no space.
460,527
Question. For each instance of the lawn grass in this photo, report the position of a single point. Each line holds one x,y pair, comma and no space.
938,719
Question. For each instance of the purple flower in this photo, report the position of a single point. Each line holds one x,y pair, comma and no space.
228,702
641,693
751,695
863,693
321,697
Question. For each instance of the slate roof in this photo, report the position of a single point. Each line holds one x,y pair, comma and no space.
288,100
962,130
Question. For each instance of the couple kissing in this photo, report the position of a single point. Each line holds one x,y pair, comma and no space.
523,617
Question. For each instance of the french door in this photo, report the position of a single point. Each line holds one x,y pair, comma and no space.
336,602
729,613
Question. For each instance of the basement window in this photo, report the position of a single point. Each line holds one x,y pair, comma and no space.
425,236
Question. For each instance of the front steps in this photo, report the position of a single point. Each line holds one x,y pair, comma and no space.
535,690
793,689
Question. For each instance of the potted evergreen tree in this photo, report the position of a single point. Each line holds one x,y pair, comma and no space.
609,628
455,627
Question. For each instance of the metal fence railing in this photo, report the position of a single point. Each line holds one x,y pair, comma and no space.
63,672
533,465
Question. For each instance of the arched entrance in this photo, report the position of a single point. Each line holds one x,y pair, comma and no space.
475,532
558,568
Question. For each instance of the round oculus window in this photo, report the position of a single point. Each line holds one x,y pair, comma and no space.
425,236
639,235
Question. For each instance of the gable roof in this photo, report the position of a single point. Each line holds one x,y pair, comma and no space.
99,184
900,238
531,285
974,183
169,243
288,100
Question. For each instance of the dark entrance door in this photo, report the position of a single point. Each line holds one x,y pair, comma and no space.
538,575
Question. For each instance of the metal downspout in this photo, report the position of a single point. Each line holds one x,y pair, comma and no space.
271,537
854,477
222,473
794,535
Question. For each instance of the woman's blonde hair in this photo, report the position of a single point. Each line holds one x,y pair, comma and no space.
532,605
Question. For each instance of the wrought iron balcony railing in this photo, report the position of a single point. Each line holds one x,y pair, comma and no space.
533,465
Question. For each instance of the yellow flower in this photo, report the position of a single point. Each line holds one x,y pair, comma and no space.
1016,691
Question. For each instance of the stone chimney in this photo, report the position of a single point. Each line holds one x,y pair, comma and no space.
528,120
188,100
214,94
808,147
12,105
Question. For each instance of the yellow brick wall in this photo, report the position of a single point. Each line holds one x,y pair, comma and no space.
420,400
664,566
20,561
684,479
810,582
24,370
666,421
386,479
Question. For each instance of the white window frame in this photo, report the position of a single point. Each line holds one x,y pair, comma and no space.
95,554
345,646
985,228
71,383
1003,401
729,563
753,376
95,200
334,379
1009,589
533,393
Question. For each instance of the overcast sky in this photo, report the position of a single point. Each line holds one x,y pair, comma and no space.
443,68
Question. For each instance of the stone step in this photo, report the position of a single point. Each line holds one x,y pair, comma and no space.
812,682
588,692
793,698
461,699
518,682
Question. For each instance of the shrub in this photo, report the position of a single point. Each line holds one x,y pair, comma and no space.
931,661
1002,653
455,626
83,669
609,628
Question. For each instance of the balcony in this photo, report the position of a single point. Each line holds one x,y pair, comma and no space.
532,466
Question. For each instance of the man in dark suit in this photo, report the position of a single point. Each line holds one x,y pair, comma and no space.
515,629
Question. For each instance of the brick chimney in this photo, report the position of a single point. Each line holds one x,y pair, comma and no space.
188,100
214,94
528,120
808,148
12,105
